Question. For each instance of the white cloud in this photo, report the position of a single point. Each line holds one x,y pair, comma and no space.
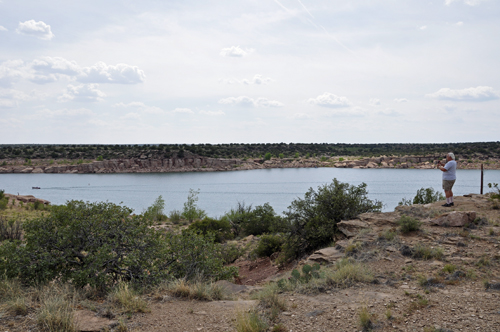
83,92
375,102
459,23
36,29
480,93
47,113
299,116
423,27
250,102
131,116
467,2
141,107
6,103
233,51
212,113
257,79
3,28
401,100
390,112
330,100
102,73
450,108
55,65
182,110
11,71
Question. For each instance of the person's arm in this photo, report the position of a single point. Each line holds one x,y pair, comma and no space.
440,166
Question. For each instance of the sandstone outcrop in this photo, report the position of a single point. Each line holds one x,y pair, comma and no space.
325,255
454,219
27,199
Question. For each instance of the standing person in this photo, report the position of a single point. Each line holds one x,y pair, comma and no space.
449,177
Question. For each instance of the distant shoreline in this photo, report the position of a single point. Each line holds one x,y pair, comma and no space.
195,163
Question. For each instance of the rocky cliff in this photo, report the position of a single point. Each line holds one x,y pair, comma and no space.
193,163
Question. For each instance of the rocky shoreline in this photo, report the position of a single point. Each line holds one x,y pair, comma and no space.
194,163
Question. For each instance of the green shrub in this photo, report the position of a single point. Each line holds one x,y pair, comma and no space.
155,211
425,252
10,229
127,299
175,216
281,156
100,244
269,244
231,252
191,211
220,228
409,224
259,221
267,156
313,220
100,158
296,155
426,196
237,217
495,194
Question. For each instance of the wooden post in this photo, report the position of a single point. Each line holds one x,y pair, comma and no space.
482,177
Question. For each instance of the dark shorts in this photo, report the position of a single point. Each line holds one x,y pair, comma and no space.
448,184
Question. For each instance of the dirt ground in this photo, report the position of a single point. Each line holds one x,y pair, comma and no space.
407,294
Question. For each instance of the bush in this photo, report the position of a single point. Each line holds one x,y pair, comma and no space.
408,224
10,229
423,196
191,211
269,244
155,211
175,216
259,221
426,196
125,297
313,220
237,217
267,156
220,228
100,244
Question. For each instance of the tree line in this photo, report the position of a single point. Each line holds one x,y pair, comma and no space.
479,150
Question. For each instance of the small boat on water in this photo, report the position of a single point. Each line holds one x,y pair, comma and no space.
35,188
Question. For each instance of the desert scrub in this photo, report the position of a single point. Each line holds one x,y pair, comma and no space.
270,300
56,309
422,251
269,244
250,321
101,244
197,290
449,268
10,229
409,224
364,319
313,220
347,273
127,299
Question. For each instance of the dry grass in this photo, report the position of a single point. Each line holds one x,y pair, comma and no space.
127,299
203,291
249,321
347,273
56,309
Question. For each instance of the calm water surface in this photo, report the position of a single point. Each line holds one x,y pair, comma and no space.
219,191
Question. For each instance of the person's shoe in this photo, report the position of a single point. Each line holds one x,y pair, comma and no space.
446,205
451,204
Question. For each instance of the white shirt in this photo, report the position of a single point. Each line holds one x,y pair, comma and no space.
451,170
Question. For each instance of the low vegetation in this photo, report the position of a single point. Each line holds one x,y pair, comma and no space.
87,152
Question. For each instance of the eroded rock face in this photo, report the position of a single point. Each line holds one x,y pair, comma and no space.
454,219
351,227
325,255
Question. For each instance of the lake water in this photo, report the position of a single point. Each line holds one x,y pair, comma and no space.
220,191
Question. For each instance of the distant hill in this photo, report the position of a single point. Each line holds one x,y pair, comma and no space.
480,150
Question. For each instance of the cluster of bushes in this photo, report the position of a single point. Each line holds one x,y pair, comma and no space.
100,244
423,196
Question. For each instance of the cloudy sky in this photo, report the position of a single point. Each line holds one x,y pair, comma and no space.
221,71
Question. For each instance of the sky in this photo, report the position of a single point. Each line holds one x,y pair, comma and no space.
220,71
